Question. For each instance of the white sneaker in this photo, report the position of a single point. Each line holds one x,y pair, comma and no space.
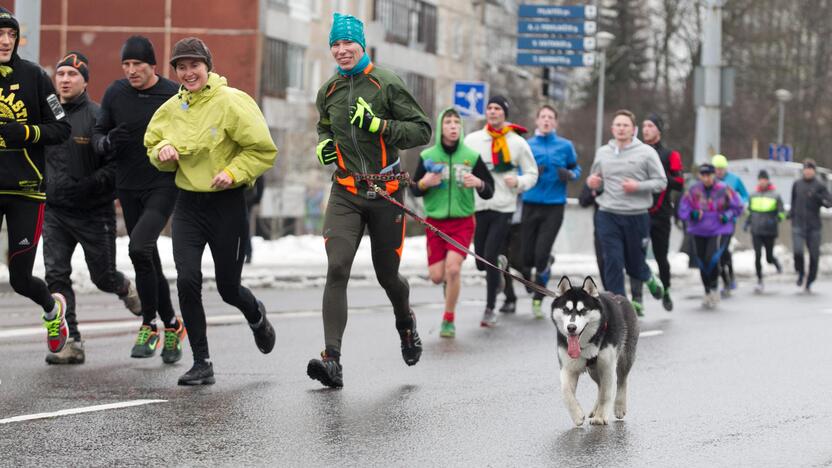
489,319
759,288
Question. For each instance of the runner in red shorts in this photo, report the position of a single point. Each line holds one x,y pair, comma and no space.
447,177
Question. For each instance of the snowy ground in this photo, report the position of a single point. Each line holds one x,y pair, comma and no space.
299,261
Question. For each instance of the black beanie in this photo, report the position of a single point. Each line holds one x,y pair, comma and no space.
138,48
7,20
78,61
763,174
500,101
657,121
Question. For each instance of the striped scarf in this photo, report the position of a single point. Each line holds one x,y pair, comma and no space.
500,151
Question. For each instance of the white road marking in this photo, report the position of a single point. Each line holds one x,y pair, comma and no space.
648,333
86,409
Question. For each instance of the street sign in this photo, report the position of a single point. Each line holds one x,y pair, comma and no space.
558,12
586,43
780,152
574,29
560,60
470,97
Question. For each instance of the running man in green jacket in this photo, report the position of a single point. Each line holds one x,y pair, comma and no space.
366,114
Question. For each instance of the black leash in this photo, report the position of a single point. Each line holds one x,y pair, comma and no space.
404,178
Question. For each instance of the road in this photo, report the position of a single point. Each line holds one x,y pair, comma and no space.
746,385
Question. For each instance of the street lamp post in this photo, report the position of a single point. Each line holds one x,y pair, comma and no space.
783,96
602,40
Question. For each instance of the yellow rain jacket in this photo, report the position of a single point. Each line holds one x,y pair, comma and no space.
217,128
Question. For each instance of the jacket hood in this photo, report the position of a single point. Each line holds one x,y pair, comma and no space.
438,127
212,86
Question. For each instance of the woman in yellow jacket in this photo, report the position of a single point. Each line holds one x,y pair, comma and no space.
216,140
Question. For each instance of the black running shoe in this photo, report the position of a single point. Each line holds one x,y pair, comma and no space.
326,370
508,307
202,373
667,302
411,343
263,332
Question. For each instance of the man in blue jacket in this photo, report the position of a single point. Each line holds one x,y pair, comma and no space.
543,204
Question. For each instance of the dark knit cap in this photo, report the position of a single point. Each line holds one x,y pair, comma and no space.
809,164
500,101
7,20
763,174
138,48
657,121
78,61
707,168
193,48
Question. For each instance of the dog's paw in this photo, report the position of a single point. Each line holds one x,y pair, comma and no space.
620,411
598,420
579,421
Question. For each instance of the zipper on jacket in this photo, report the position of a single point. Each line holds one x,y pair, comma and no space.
354,139
451,181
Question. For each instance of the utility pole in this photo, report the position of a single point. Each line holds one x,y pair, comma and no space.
708,118
27,13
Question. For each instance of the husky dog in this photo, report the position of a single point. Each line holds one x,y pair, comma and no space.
597,332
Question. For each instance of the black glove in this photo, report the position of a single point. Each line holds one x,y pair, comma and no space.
116,138
564,174
12,132
81,190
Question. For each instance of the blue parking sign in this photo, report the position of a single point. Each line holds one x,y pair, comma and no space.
470,98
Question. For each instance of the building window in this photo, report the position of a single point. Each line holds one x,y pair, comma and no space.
408,22
283,65
422,89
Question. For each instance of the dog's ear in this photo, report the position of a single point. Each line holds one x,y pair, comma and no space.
564,285
590,287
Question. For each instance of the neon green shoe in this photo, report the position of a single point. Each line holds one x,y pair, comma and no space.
146,343
447,330
537,308
655,287
638,307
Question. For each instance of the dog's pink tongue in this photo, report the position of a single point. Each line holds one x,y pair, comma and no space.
574,346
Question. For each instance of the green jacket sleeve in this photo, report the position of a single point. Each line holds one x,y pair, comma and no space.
251,133
409,127
324,125
154,141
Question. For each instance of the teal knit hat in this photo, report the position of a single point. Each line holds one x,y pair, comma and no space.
348,28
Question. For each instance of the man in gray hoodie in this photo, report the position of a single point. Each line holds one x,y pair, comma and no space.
625,174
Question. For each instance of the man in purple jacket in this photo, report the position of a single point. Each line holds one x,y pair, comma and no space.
710,207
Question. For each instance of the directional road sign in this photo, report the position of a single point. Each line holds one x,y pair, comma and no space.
470,97
574,29
558,60
558,12
586,43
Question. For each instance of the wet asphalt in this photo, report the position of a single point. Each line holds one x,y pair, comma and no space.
746,385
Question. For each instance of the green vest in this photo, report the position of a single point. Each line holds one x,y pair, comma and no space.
451,199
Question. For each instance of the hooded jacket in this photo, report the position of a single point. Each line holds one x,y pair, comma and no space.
551,153
524,167
214,129
360,151
27,96
765,211
74,161
450,199
637,161
716,209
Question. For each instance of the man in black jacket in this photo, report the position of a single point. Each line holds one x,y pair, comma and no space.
808,195
147,196
30,117
661,213
80,186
